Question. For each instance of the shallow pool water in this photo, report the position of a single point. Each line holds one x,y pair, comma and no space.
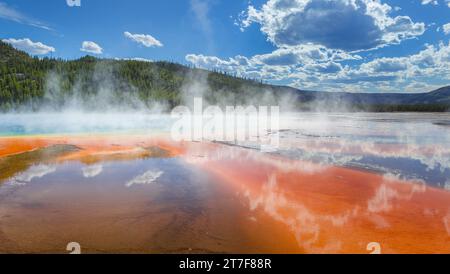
336,183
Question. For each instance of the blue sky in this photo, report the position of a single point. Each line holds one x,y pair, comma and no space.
351,45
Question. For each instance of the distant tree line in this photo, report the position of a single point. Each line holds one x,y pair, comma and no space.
27,81
31,82
408,108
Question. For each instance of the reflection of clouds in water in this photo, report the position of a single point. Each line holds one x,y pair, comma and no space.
379,221
146,178
305,224
383,146
385,135
385,195
92,171
370,141
382,200
446,221
447,185
344,151
200,155
36,171
308,225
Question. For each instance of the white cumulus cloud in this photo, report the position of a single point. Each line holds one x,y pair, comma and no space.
144,39
34,48
432,2
331,23
91,47
334,45
446,28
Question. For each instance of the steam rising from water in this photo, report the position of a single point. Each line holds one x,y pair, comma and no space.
102,92
101,102
379,141
81,122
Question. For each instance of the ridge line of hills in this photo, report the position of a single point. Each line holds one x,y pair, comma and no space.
29,83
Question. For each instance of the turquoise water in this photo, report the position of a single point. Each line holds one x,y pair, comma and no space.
72,123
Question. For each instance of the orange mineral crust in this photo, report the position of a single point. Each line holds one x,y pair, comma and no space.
15,145
334,209
91,146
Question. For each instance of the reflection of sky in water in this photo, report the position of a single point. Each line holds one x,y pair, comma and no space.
165,182
117,176
410,145
125,206
35,171
332,209
327,209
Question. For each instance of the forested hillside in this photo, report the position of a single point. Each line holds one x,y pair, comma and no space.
30,83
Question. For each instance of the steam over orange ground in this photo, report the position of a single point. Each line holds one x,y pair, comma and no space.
308,208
